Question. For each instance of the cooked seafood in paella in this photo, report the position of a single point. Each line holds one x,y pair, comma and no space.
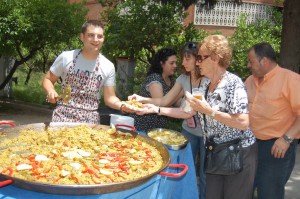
78,155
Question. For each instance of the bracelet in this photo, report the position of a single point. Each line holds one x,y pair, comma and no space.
121,108
287,139
284,140
213,113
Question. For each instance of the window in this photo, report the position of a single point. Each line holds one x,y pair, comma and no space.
227,13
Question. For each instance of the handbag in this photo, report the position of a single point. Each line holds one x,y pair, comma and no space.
191,122
225,158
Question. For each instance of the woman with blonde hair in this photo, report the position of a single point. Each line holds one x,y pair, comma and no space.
224,117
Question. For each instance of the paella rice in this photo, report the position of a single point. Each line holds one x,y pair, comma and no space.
78,155
168,137
134,105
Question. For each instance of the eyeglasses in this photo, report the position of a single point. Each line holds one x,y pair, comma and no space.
201,58
192,45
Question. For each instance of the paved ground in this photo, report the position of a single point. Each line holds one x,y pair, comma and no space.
22,113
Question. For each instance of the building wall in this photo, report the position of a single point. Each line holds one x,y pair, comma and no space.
94,8
266,2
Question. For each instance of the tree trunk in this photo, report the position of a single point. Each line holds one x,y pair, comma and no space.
28,76
290,39
9,76
16,65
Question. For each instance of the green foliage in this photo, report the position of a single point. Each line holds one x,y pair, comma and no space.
192,34
46,56
246,35
32,92
137,28
29,25
175,124
140,26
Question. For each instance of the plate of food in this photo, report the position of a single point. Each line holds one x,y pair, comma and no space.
172,139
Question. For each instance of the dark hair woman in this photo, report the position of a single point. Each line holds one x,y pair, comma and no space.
157,83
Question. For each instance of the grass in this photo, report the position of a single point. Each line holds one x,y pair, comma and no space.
175,124
33,91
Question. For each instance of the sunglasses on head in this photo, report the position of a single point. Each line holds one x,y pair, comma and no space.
192,45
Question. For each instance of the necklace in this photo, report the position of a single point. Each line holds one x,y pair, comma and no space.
191,85
215,85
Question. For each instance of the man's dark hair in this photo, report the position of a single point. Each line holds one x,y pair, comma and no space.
264,49
95,23
160,57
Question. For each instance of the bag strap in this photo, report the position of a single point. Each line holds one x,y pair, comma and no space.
191,87
204,116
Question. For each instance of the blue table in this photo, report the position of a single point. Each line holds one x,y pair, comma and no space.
158,187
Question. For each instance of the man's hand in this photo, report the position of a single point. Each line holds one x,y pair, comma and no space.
279,148
52,97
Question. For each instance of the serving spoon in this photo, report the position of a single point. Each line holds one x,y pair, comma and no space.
65,95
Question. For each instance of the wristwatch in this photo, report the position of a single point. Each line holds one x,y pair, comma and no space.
288,139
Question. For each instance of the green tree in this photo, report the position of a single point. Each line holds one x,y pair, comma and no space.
247,35
28,26
136,28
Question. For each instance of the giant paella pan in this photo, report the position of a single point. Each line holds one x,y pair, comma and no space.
37,168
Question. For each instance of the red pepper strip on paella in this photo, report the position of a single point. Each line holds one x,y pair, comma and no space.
11,171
